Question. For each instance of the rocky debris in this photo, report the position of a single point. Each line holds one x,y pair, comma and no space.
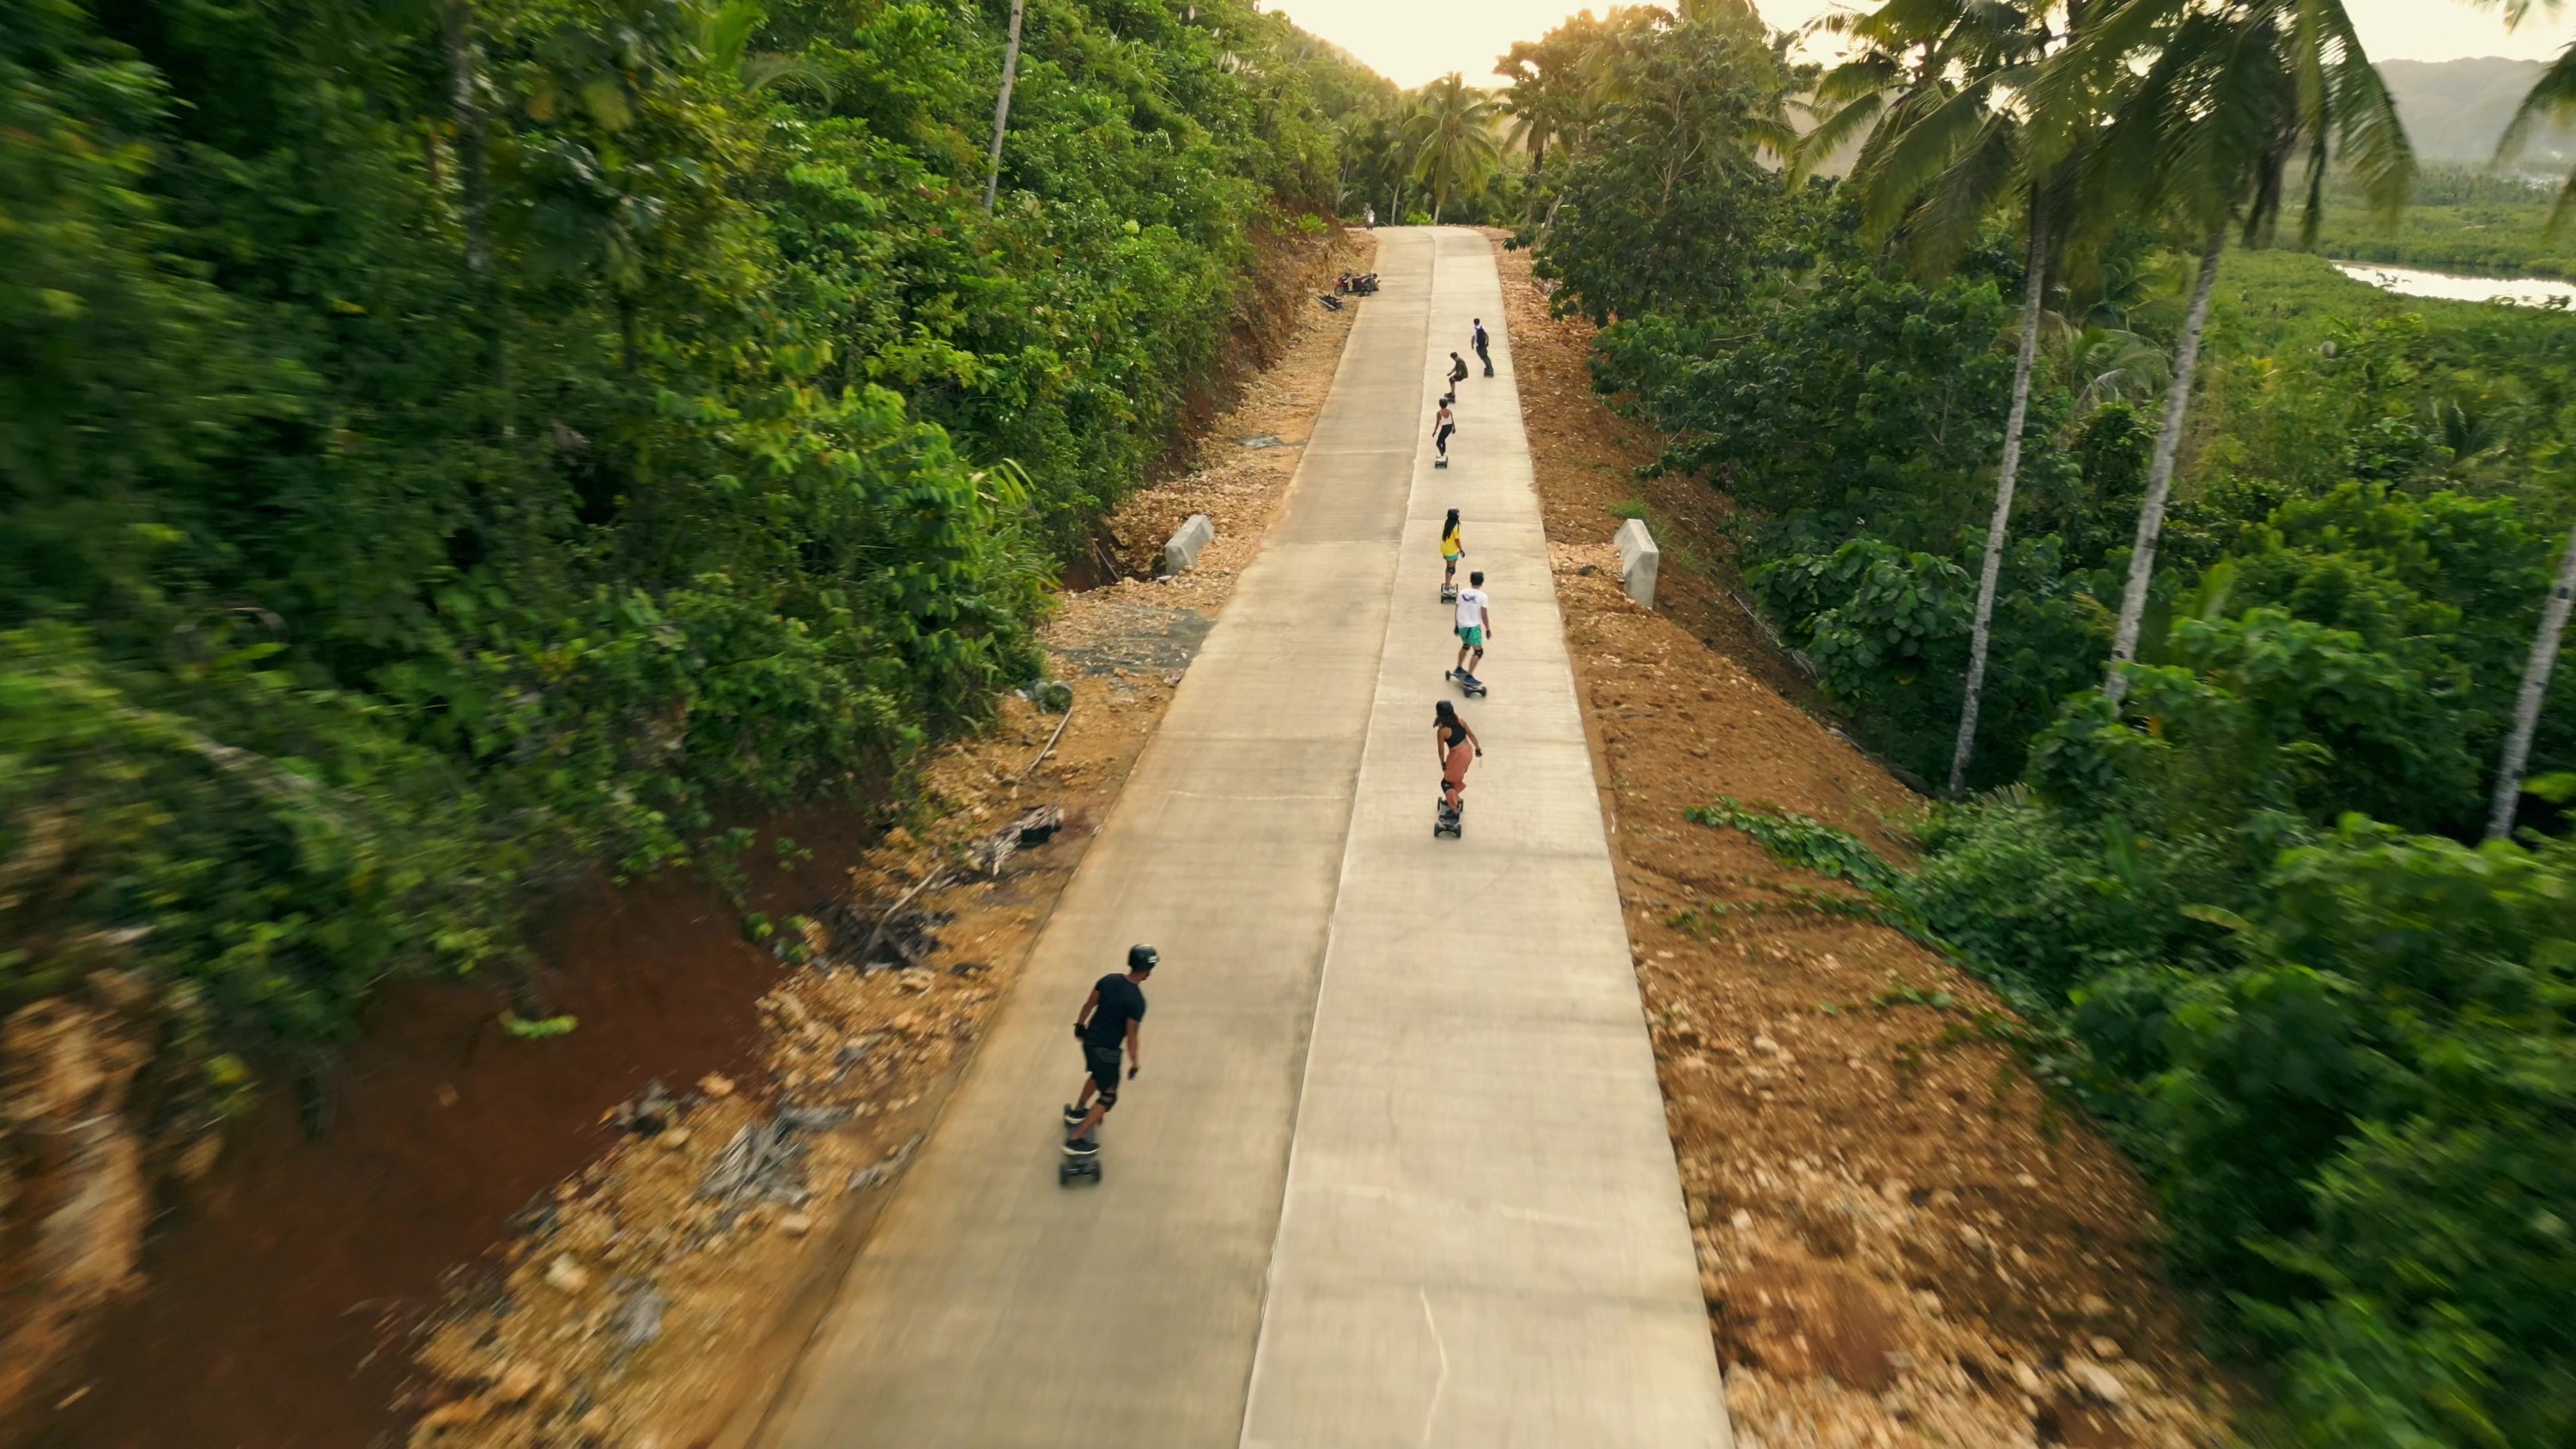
636,1321
876,1174
648,1113
566,1276
516,1385
72,1192
1035,826
2097,1381
704,1276
1838,1116
765,1162
716,1084
1139,638
905,940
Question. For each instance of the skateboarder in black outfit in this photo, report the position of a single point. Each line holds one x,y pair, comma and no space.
1484,345
1107,1026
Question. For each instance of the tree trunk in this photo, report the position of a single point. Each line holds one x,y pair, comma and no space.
2535,688
474,191
1002,107
2151,513
1981,633
465,107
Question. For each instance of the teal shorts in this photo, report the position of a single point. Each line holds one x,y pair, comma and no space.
1471,636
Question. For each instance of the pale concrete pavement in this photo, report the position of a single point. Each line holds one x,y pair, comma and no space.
1482,1240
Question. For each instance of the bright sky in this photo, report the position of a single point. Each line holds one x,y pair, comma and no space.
1412,41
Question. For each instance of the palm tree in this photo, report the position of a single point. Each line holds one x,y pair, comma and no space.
2106,364
2535,686
1894,68
2552,98
1454,147
1564,84
2230,94
1936,84
1002,107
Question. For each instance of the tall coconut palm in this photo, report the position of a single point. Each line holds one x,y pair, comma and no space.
1002,106
2552,98
2535,686
1938,83
2204,132
1455,148
1894,68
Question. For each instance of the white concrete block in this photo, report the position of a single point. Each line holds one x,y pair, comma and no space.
1639,561
1194,534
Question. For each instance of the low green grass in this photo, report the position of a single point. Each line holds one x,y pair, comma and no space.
2462,221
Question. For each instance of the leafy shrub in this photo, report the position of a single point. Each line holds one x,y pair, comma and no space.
1802,841
415,508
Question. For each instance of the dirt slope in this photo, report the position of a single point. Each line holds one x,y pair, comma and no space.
657,1299
1902,1240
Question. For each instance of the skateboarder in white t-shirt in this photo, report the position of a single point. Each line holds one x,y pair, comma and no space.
1475,626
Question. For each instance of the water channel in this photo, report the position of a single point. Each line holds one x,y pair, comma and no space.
2412,282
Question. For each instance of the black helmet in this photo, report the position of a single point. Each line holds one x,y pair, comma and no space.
1143,958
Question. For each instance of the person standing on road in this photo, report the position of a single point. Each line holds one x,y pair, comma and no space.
1452,549
1475,626
1458,748
1442,425
1484,346
1110,1024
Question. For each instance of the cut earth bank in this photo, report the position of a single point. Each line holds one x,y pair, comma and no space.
455,1166
662,1295
1902,1238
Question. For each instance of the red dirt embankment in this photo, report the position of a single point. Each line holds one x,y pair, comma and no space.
284,1296
1902,1239
273,1298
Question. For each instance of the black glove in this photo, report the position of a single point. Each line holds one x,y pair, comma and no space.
1077,1031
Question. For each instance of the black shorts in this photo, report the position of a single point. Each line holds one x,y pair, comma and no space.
1102,1063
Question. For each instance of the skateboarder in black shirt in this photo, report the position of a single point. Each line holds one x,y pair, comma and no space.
1483,346
1107,1026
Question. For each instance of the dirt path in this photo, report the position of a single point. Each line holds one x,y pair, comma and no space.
1902,1240
660,1296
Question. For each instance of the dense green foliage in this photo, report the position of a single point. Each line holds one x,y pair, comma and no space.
1430,154
2471,222
452,444
2333,1035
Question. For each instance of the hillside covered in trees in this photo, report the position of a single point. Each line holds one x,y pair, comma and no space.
456,443
2457,110
2244,564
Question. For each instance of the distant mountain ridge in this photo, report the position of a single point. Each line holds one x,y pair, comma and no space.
2456,110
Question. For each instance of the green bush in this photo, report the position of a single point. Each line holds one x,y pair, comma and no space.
405,509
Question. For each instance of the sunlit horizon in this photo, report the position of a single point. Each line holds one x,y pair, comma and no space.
1414,41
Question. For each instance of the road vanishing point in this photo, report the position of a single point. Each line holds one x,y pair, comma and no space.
1396,1172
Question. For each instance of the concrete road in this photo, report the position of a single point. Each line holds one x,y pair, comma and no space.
1396,1170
